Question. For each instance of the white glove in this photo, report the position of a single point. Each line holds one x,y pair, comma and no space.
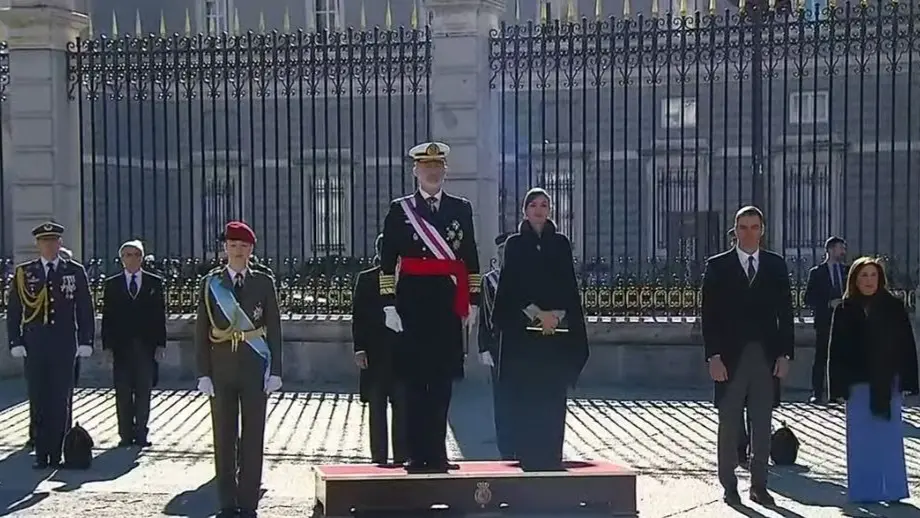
272,384
84,351
392,319
485,358
471,318
18,352
205,386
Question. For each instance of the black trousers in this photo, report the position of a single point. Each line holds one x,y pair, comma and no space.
50,385
427,405
132,370
500,407
382,395
744,434
819,367
536,416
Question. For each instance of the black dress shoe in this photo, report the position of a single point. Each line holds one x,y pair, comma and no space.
816,400
731,497
416,466
125,443
247,513
762,496
40,464
143,442
227,513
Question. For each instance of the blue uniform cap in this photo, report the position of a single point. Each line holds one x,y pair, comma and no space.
48,229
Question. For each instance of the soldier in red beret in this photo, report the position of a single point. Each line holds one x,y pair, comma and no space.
238,349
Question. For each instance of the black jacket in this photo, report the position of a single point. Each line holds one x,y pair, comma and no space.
539,269
370,333
126,319
873,347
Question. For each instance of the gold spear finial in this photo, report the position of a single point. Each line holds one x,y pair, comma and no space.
188,23
544,15
517,10
712,6
682,10
627,8
388,19
138,30
413,20
162,25
114,25
570,12
363,17
89,29
236,22
655,10
598,10
261,22
286,24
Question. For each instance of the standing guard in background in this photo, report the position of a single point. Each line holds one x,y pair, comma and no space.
374,348
238,355
134,335
489,350
50,323
429,235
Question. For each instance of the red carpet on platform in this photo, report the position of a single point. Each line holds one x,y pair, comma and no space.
471,469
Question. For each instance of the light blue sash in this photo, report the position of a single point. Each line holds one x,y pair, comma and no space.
228,305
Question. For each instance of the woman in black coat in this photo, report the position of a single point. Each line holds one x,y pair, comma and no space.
873,365
543,346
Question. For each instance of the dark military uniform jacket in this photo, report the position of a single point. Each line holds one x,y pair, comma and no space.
433,333
488,335
215,351
370,333
40,314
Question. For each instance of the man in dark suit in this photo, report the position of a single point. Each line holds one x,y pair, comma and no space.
134,335
826,284
748,336
374,348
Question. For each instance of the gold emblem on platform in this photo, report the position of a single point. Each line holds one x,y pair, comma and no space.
483,494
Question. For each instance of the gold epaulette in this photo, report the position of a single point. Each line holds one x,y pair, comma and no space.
387,284
475,282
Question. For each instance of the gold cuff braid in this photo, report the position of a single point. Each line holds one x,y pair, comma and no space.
387,284
475,281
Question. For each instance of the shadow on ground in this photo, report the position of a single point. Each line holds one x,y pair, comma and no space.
18,483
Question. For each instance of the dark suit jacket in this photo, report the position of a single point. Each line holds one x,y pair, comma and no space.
126,319
370,333
728,324
820,291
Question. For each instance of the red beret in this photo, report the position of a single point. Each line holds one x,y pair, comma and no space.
239,231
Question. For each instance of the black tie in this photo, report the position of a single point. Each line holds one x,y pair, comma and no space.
838,278
433,205
238,284
751,272
50,270
132,286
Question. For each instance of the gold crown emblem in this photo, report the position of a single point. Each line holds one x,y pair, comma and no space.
433,150
47,227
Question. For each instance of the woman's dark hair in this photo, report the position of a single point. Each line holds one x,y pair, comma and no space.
858,266
533,194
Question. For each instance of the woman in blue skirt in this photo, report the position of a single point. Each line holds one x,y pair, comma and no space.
873,365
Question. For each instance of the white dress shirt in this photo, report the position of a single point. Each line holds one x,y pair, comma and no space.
436,196
46,262
233,273
137,280
744,257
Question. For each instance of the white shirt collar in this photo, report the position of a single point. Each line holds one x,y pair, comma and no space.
129,274
233,273
55,262
743,256
436,196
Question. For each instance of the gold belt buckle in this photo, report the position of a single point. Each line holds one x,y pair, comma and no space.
235,338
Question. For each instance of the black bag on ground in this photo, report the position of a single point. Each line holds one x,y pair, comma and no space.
784,446
78,448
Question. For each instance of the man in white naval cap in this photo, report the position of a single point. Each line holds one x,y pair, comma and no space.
429,234
134,336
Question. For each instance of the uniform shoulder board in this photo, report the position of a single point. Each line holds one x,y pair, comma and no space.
26,264
370,270
265,272
113,277
154,275
399,200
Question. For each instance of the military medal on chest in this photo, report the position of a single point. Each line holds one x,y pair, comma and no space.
69,286
257,312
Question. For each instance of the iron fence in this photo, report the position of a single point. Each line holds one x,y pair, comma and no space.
650,132
5,138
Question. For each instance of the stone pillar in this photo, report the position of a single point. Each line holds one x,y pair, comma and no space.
43,168
463,109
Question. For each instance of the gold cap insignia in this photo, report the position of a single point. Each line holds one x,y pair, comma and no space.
47,227
433,150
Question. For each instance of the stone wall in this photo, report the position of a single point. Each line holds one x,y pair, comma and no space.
663,352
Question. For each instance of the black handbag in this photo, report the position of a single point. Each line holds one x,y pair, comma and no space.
784,446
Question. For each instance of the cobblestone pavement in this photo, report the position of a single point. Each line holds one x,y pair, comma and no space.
668,438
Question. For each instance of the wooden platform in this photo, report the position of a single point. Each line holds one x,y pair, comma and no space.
477,487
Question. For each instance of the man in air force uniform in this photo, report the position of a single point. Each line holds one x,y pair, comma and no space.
433,304
238,349
489,349
50,323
